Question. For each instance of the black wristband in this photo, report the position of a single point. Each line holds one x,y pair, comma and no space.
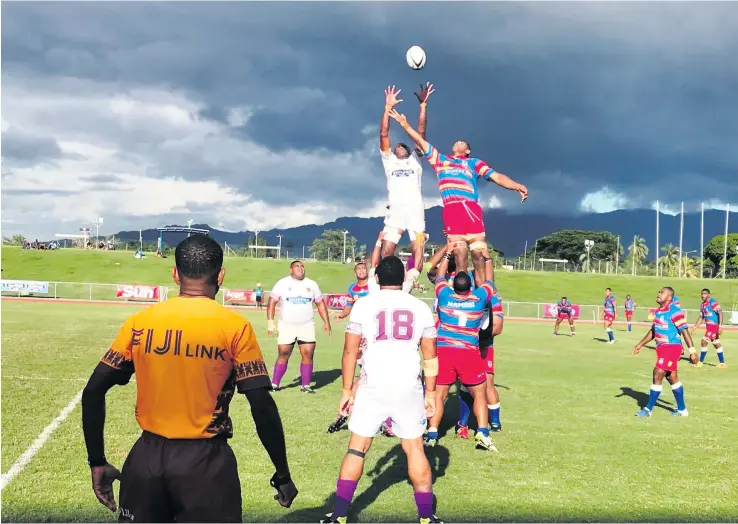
277,481
97,462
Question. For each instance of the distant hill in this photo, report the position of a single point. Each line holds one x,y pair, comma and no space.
507,232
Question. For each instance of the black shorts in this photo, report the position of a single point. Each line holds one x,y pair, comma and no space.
165,480
258,300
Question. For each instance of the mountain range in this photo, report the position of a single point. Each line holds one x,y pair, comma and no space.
507,232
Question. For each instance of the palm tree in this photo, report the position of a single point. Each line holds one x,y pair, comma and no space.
670,260
638,251
690,268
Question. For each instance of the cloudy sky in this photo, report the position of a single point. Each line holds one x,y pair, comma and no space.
260,115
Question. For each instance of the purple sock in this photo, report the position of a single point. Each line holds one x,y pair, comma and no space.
306,372
424,502
344,494
279,371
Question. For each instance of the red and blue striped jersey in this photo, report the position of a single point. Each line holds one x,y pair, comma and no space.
355,292
461,316
564,309
668,323
610,304
710,311
629,305
457,176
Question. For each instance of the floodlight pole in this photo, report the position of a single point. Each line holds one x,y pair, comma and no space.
189,226
97,223
343,260
279,253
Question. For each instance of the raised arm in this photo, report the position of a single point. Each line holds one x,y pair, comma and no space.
390,101
423,95
416,137
508,183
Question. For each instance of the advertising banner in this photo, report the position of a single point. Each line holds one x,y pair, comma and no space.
552,310
144,293
24,286
239,296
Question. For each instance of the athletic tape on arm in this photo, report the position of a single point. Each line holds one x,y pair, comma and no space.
430,367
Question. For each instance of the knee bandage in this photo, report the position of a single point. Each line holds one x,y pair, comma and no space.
392,235
478,245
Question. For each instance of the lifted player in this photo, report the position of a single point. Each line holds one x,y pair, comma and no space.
630,306
668,324
405,211
564,312
712,314
457,181
609,314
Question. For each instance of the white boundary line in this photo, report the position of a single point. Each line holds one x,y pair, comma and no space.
37,444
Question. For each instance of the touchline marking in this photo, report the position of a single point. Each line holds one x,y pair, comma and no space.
37,444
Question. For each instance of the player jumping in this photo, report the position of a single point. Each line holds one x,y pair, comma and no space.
394,323
668,324
609,314
564,312
712,314
461,313
402,168
457,181
630,306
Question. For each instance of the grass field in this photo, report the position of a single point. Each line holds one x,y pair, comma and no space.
571,448
70,265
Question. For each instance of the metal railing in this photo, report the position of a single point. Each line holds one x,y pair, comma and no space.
93,291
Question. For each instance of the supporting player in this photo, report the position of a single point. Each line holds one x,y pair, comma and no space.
461,312
356,290
296,295
668,324
609,314
402,168
712,314
491,327
394,323
190,355
457,181
564,312
630,306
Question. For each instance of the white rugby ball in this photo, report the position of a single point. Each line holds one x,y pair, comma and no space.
415,57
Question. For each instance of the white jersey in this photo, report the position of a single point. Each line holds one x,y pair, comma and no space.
392,322
403,179
296,299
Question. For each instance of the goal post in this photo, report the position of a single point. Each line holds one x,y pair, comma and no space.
553,264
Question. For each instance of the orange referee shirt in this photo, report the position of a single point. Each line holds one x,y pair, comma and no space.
189,355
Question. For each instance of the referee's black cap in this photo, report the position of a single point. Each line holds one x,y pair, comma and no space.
391,271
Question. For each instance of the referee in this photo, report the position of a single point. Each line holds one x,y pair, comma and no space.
190,354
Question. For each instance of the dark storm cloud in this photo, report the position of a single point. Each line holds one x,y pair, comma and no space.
21,148
566,97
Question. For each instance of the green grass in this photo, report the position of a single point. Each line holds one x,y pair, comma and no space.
71,265
571,449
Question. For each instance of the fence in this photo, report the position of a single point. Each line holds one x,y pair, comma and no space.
92,291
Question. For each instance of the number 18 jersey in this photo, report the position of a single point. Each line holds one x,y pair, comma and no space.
392,322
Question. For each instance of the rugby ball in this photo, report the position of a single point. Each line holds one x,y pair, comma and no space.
415,57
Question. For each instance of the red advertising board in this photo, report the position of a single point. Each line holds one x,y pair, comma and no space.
335,301
239,296
144,293
552,310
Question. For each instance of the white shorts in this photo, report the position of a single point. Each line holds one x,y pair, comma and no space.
290,333
373,406
410,218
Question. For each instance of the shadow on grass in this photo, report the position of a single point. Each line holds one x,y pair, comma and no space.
321,379
390,469
641,398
